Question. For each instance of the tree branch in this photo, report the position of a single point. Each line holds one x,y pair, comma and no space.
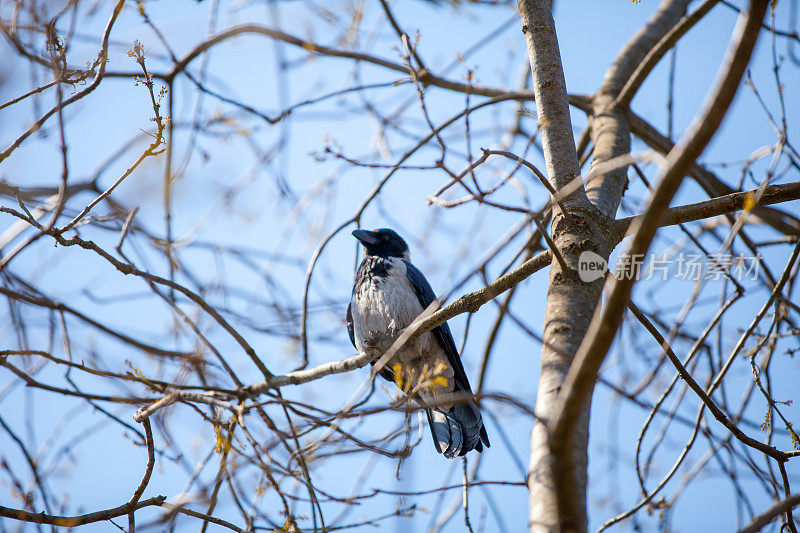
425,76
470,302
760,521
710,183
610,131
72,521
771,194
657,52
766,449
100,62
151,461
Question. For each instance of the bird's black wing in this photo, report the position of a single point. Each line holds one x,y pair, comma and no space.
349,321
442,332
460,429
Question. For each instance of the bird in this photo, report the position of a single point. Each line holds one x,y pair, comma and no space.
388,294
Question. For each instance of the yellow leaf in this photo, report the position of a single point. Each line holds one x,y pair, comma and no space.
749,203
222,444
289,526
398,377
438,382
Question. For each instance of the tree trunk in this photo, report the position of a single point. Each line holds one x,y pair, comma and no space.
570,301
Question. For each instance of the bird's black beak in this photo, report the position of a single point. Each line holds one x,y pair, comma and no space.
366,236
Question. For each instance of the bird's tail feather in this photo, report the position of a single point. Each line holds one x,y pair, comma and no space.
457,430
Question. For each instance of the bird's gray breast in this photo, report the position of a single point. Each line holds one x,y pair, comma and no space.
383,303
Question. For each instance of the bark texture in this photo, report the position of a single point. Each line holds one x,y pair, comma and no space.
550,91
570,302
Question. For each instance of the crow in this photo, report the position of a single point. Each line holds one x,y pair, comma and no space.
389,293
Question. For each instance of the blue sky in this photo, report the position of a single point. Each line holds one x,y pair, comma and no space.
446,243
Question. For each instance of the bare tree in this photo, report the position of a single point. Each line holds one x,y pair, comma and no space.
177,186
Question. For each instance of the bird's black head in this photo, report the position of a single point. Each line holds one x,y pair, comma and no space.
382,242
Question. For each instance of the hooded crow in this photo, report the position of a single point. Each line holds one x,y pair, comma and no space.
389,293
